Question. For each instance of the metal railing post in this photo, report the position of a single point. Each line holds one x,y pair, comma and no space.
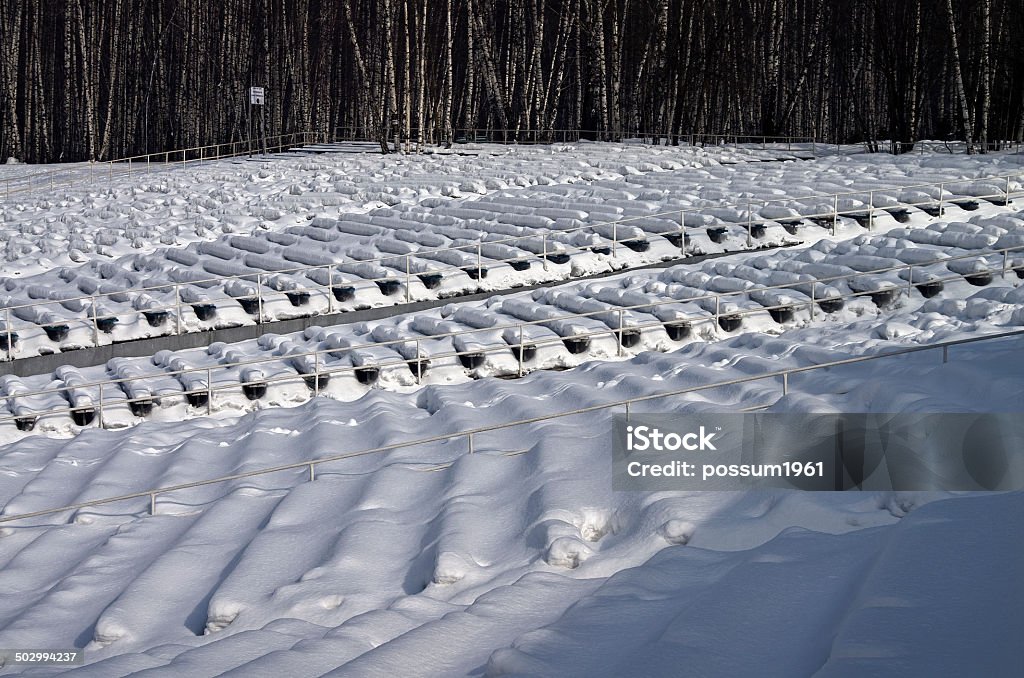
177,308
871,211
7,329
209,391
785,383
812,300
835,212
1003,276
99,413
615,239
330,289
316,376
470,435
627,410
941,191
419,364
408,277
259,298
312,471
618,337
95,324
682,234
152,503
749,225
520,349
945,354
479,262
544,248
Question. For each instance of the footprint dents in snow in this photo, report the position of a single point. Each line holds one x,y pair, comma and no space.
220,616
677,532
106,632
567,552
449,569
594,524
898,504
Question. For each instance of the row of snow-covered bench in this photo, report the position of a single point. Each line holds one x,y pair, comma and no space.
434,249
935,268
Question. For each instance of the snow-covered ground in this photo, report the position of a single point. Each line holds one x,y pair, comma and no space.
526,216
96,219
519,558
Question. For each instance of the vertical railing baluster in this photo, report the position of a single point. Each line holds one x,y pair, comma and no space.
177,307
871,210
10,335
95,324
521,348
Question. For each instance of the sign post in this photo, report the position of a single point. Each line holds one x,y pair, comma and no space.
257,97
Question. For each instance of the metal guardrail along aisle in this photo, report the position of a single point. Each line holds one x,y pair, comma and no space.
311,464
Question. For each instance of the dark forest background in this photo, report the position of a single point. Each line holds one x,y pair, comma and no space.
100,79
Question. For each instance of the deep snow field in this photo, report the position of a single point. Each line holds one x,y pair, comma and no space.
516,557
97,219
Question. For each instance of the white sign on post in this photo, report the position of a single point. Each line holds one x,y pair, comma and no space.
256,96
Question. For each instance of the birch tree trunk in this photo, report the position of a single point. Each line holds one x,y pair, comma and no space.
449,76
986,75
961,93
391,87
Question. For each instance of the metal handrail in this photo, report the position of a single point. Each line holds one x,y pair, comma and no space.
170,159
317,355
363,133
439,133
246,146
682,233
510,136
311,464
